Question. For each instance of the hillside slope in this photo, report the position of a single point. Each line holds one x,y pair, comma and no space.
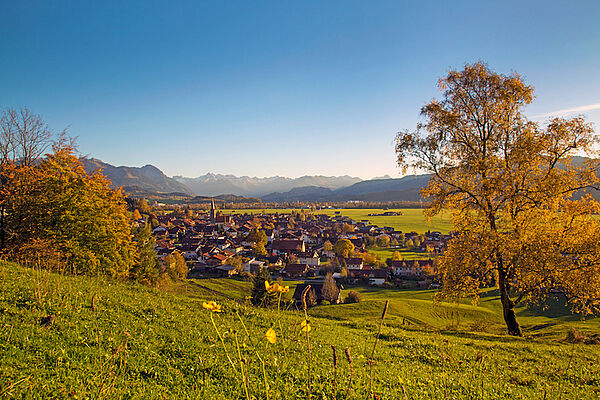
407,188
106,339
147,178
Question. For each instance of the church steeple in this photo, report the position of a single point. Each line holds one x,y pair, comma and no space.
212,211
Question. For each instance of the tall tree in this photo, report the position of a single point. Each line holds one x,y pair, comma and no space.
145,268
259,296
511,184
343,248
330,290
57,205
176,265
24,137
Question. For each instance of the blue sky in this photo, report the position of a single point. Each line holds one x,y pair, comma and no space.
285,88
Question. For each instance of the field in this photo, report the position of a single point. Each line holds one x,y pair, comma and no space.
412,219
121,340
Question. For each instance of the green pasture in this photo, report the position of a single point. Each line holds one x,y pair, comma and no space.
385,253
117,340
412,219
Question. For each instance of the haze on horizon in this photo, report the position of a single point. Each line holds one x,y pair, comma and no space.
279,88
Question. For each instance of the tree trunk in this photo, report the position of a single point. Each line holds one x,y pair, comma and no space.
508,307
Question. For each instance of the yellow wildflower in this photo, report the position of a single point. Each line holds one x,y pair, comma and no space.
212,306
276,288
284,289
271,336
305,326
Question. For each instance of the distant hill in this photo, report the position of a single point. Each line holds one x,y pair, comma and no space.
150,182
215,184
305,193
136,179
409,185
401,189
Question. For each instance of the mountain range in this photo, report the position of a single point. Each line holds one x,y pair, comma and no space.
215,184
389,189
148,179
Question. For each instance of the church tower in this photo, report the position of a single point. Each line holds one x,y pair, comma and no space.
212,211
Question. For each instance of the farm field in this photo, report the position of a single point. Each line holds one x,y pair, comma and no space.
121,340
385,253
412,219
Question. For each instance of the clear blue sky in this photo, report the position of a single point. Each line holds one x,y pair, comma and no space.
277,88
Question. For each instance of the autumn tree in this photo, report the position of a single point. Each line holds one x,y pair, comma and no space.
371,259
144,206
330,290
237,262
24,138
519,215
396,256
145,268
55,204
347,228
383,241
343,247
176,265
136,216
257,236
327,246
259,249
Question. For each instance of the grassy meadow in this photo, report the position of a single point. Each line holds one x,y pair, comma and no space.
120,340
412,219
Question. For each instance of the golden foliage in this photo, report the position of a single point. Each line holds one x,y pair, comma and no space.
76,215
514,188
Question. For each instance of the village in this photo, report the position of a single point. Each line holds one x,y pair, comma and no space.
298,245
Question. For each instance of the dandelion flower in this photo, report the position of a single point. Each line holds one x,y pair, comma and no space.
271,336
212,306
305,326
276,288
284,289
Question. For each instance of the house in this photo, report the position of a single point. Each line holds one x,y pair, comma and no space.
280,246
412,269
221,220
226,270
273,260
190,251
295,270
309,257
354,262
216,259
253,265
159,230
372,276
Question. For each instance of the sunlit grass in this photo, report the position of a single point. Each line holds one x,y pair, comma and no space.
138,342
411,220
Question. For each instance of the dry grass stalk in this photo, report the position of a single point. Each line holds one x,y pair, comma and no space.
335,363
372,359
350,369
304,294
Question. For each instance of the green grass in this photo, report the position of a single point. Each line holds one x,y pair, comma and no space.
138,342
385,253
412,219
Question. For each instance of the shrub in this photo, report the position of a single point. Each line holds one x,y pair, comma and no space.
353,297
575,336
